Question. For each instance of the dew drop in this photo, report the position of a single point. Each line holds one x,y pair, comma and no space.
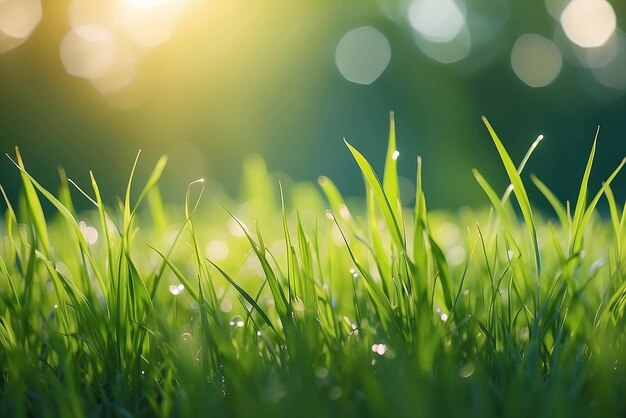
467,370
379,349
176,289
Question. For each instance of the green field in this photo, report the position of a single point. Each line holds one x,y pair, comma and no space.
289,301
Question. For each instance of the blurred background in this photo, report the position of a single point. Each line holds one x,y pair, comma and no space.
86,83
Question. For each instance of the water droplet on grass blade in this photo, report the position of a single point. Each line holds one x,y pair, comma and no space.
467,370
237,322
379,349
176,289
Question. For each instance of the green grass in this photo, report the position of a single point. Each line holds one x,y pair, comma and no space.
288,302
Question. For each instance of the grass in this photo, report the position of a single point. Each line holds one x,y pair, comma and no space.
256,308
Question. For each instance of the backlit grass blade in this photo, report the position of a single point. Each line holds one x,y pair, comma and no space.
444,272
280,300
128,213
34,205
506,217
581,202
588,212
69,217
390,175
291,288
246,296
158,212
306,275
420,252
152,180
558,207
521,166
179,275
380,300
519,191
334,197
372,181
104,222
64,192
381,256
615,220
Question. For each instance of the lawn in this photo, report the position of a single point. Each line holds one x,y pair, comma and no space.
291,301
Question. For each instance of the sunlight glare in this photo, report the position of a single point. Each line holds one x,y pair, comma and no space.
145,4
149,23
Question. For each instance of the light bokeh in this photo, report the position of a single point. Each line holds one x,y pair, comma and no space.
589,23
86,83
18,19
362,55
450,51
536,60
436,20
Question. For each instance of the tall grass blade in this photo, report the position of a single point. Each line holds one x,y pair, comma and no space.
520,193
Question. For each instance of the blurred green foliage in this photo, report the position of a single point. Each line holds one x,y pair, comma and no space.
240,78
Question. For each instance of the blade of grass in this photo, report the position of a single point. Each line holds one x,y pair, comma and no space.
372,180
519,191
390,174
